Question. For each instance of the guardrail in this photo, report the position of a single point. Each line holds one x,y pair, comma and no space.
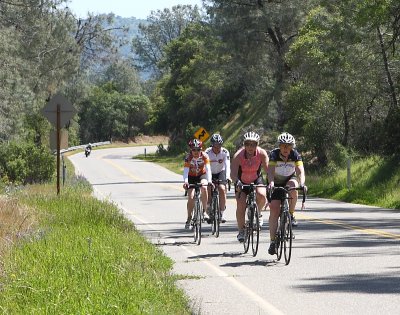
83,146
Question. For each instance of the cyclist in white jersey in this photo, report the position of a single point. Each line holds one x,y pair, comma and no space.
220,169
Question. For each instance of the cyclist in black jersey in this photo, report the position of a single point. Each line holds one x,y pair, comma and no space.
285,169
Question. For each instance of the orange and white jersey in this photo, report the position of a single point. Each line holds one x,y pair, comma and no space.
197,166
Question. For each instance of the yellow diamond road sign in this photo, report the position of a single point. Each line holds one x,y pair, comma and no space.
201,134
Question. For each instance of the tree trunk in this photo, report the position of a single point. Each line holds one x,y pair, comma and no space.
387,71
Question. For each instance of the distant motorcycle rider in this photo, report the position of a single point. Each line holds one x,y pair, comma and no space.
88,149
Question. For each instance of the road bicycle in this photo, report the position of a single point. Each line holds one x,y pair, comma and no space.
252,224
284,233
215,211
197,213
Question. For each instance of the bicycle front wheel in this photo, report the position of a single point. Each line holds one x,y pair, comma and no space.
197,217
216,217
279,237
288,238
255,232
247,232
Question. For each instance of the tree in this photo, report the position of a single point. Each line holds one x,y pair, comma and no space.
258,34
39,55
108,114
196,89
342,54
161,28
124,77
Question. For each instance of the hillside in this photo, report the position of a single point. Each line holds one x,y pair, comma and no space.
129,29
132,24
245,116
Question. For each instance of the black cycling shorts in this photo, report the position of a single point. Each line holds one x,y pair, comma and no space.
220,176
196,179
246,190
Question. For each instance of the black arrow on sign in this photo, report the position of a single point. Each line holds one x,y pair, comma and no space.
202,134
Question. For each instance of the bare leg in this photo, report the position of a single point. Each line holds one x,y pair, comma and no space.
190,203
273,218
222,197
293,196
240,210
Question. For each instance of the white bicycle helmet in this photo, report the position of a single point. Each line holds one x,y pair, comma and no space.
286,138
251,136
195,143
216,138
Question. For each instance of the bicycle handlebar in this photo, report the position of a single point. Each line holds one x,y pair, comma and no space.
196,185
254,185
251,185
287,189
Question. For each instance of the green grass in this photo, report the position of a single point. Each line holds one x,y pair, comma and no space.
84,257
374,181
172,163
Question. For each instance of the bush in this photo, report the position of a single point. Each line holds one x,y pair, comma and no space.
23,163
161,151
338,155
230,147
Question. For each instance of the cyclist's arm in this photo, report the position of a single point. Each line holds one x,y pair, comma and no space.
235,167
227,165
271,173
301,174
264,161
208,172
186,175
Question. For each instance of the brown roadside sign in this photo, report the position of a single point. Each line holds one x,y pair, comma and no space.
67,110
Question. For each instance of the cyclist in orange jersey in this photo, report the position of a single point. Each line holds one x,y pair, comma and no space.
196,170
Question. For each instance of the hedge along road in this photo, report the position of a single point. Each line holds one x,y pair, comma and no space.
345,258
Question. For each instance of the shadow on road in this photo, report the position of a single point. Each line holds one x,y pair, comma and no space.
356,283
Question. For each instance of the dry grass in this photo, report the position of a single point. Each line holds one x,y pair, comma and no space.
16,221
142,140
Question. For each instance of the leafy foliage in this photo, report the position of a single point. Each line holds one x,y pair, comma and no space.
326,71
24,163
108,114
161,27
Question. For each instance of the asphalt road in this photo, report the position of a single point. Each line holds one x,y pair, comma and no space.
345,259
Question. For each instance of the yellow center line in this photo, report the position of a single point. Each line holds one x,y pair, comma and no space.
351,227
300,215
136,178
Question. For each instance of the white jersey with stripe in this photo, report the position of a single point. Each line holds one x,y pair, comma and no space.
219,162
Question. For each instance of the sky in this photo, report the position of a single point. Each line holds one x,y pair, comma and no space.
139,9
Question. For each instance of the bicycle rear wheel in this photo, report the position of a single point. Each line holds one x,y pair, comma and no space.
288,237
255,231
197,218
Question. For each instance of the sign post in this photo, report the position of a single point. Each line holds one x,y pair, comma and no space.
58,111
